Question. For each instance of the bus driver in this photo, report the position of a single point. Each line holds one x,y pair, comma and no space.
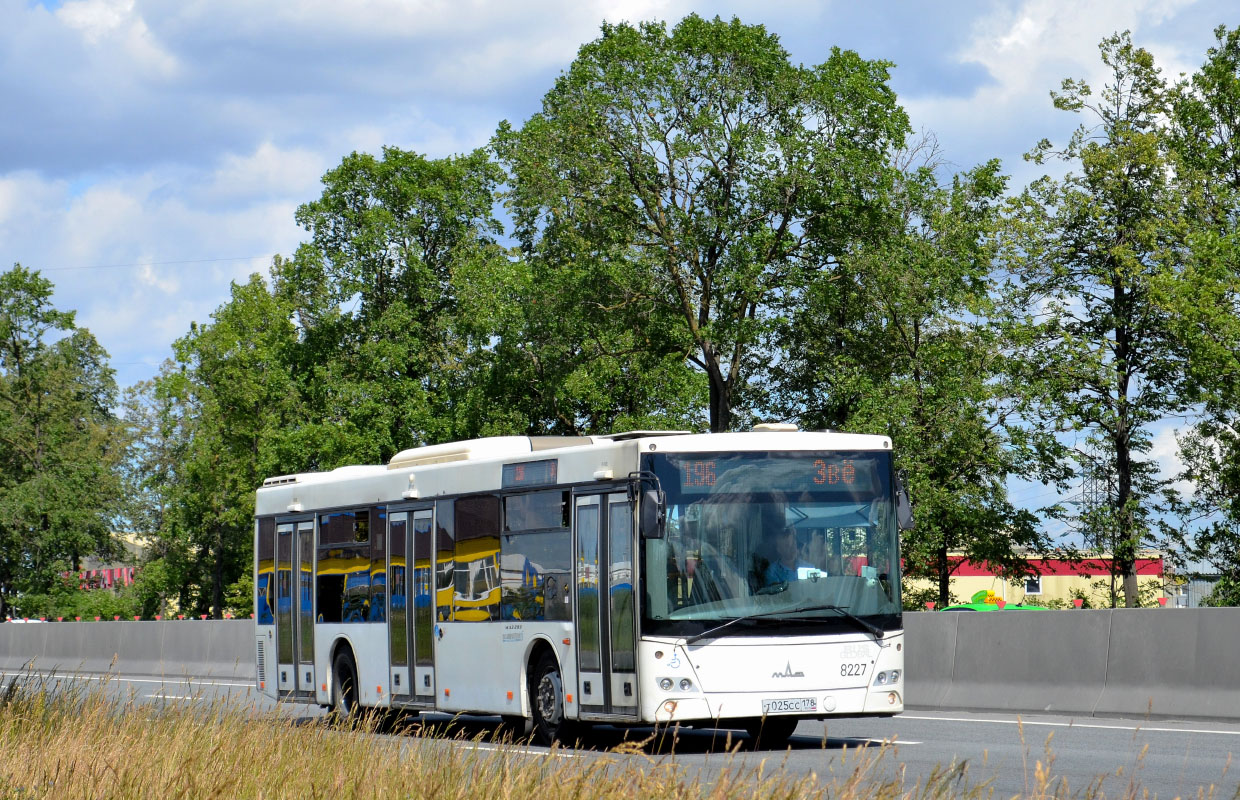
781,545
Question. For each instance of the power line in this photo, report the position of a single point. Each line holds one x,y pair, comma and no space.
155,263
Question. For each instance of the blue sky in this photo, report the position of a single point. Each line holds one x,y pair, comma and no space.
151,152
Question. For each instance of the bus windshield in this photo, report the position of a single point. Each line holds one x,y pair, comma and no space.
751,535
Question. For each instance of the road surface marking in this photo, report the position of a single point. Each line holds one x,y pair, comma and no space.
1074,725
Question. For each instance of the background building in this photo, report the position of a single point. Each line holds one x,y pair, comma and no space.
1057,581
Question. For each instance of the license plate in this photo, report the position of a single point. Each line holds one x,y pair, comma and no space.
790,705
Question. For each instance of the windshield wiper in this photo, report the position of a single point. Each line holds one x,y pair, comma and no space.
843,610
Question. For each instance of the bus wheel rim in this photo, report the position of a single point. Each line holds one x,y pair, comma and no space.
548,699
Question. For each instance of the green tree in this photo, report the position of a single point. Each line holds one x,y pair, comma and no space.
159,434
1205,127
691,181
59,441
236,389
903,340
1205,303
385,354
1088,253
564,363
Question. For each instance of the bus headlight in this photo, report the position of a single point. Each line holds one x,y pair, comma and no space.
685,684
887,677
665,684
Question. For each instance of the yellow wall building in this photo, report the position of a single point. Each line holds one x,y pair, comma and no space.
1058,581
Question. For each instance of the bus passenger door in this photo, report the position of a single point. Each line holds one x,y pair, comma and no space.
605,611
303,642
411,601
294,612
422,600
398,600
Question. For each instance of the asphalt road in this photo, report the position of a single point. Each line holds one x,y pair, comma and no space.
1165,758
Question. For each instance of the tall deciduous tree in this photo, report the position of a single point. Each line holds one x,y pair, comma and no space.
237,390
59,441
692,180
385,352
1089,251
1206,303
903,340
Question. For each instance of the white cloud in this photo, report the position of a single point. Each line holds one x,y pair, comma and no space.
1165,449
1028,49
151,132
116,24
136,255
268,170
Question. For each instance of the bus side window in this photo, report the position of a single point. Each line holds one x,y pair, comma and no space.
445,563
265,584
476,588
377,611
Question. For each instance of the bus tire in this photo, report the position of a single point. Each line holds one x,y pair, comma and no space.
547,702
771,733
345,705
513,727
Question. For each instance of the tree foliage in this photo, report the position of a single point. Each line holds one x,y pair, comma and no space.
902,340
1088,254
384,353
706,234
59,441
1206,301
212,427
692,180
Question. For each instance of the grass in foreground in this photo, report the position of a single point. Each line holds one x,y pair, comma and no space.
79,743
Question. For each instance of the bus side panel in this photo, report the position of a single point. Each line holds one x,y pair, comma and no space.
479,664
369,645
264,607
265,660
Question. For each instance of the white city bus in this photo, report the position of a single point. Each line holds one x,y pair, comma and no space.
747,580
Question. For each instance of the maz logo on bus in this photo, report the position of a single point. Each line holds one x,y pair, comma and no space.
788,673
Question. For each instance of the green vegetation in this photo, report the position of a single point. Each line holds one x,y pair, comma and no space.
60,444
78,743
705,235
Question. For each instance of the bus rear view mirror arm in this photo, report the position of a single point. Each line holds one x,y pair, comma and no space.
653,508
904,507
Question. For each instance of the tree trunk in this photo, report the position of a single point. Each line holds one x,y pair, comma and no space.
1128,538
720,399
945,578
217,575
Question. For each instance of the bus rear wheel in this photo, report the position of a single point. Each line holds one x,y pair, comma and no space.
344,688
547,702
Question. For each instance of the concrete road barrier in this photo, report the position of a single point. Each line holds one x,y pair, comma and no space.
230,652
190,648
22,643
1029,661
1162,663
1159,663
1173,663
930,657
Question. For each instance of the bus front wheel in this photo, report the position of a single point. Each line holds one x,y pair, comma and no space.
547,701
769,733
344,688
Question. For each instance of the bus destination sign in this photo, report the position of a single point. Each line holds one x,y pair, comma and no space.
530,473
812,472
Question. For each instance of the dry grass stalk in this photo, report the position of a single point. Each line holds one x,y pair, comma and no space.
79,742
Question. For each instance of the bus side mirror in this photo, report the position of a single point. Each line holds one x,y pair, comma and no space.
904,507
653,511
